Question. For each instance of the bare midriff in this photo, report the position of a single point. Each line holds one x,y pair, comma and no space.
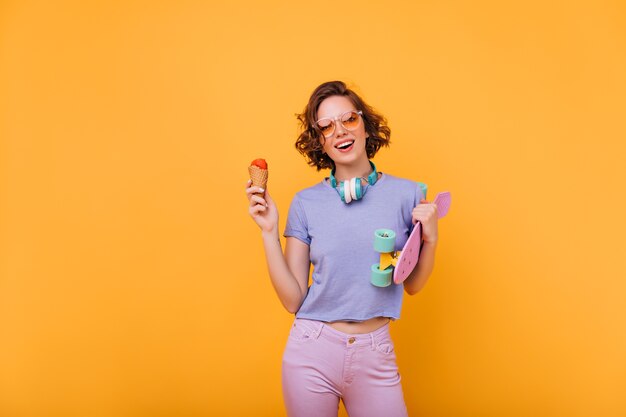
355,327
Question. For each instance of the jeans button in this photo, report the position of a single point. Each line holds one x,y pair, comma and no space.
351,340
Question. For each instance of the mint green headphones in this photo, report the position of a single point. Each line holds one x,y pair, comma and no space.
350,190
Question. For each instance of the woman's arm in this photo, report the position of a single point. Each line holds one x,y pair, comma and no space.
426,214
289,273
418,278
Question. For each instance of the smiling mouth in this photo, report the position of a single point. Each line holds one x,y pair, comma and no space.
344,145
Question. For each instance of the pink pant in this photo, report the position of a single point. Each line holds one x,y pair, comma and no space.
322,364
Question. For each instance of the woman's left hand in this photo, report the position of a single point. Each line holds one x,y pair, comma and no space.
426,214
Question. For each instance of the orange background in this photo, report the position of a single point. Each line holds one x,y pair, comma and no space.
133,282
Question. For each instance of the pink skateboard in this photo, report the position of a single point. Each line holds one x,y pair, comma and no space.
401,263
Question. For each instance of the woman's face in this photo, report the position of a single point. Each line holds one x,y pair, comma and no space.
335,145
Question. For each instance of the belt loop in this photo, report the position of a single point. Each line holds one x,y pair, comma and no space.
319,329
373,343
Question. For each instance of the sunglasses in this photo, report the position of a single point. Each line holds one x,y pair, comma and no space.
350,120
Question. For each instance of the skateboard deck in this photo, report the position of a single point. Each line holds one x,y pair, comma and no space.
411,251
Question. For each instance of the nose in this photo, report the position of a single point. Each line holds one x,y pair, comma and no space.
339,129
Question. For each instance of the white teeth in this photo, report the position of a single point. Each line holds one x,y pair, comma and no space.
345,145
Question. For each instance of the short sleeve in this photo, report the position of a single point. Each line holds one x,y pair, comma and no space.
296,222
420,192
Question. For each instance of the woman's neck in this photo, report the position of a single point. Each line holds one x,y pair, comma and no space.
346,172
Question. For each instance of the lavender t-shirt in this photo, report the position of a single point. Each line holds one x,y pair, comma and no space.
341,239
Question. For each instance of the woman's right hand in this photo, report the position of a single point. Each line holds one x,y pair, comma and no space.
262,210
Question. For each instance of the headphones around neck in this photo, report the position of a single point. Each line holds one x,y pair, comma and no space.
350,190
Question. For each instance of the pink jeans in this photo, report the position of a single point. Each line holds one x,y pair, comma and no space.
322,365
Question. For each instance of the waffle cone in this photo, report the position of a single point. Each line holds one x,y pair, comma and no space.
258,177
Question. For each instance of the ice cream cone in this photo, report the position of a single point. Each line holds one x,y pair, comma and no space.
258,177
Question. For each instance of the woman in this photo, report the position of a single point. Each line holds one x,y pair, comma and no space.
339,345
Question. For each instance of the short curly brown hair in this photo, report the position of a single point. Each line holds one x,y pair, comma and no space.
308,143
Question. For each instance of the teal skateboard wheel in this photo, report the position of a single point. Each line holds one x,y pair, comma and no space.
381,278
384,240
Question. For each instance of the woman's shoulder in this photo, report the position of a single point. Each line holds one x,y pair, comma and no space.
312,191
400,182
